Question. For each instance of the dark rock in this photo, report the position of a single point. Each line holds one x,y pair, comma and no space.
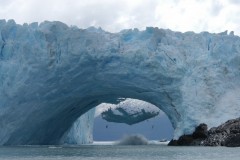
201,131
227,134
173,142
233,140
184,140
194,139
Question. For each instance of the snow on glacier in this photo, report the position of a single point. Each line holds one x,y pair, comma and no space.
129,111
131,106
51,74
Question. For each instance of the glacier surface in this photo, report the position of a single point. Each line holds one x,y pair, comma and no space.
51,74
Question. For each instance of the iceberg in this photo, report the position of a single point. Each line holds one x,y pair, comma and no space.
51,74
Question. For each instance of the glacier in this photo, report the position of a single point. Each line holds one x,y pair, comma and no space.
81,132
51,74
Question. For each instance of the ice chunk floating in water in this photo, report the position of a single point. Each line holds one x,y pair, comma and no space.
51,74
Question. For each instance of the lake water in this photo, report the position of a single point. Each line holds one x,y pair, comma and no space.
116,152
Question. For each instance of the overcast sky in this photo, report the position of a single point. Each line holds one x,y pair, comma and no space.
115,15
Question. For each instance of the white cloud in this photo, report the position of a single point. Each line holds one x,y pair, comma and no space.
216,7
235,1
115,15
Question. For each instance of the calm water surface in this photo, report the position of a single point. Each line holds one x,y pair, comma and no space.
115,152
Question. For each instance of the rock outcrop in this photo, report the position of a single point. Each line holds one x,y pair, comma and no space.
197,138
227,134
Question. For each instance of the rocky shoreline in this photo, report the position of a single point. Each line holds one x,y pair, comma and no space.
227,134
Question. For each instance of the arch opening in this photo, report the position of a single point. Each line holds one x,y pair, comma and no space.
111,122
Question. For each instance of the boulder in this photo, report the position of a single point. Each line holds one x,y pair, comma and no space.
227,134
194,139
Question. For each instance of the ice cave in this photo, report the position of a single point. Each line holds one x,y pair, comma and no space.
51,74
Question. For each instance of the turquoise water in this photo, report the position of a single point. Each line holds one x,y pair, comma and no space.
115,152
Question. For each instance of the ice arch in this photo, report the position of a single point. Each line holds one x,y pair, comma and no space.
50,74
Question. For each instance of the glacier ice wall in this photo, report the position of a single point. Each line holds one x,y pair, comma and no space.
81,132
51,74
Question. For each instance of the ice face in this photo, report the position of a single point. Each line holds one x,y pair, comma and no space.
81,130
51,74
